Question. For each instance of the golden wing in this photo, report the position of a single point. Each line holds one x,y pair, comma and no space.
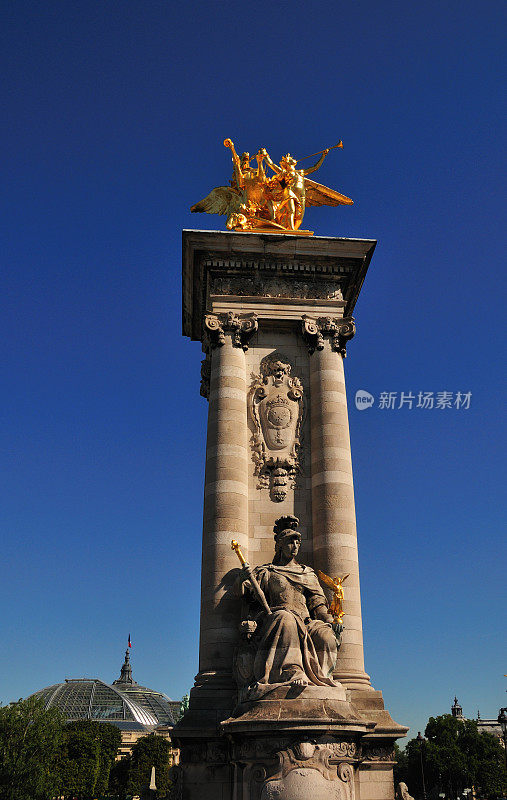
326,580
221,200
319,195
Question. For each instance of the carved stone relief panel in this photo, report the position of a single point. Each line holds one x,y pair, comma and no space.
262,284
276,410
378,752
306,769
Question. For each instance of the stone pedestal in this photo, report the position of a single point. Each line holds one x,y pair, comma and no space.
255,301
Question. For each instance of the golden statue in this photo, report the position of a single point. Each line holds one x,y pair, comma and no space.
336,605
255,202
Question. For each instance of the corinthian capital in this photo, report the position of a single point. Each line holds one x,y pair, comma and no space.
241,329
338,331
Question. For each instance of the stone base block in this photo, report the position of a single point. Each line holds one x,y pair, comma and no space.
291,743
287,765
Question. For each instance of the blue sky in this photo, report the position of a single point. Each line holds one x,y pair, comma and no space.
114,122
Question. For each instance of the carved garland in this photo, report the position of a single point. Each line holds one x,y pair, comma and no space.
378,753
343,749
339,331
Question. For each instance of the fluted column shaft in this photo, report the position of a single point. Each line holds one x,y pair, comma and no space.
225,508
333,511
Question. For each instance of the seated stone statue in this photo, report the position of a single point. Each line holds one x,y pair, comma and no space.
296,643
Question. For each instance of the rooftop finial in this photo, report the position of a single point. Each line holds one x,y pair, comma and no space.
126,669
456,709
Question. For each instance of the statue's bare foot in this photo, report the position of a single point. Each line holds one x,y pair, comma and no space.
299,682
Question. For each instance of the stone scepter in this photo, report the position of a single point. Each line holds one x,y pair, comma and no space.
251,577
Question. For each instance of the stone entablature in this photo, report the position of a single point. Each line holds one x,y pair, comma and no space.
328,270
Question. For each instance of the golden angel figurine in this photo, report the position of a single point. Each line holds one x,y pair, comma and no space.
253,201
336,605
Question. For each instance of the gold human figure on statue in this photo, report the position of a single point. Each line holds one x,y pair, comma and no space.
255,202
336,605
247,180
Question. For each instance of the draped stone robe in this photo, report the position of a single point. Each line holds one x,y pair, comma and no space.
292,644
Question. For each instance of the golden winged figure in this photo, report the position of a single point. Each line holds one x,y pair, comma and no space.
254,201
336,606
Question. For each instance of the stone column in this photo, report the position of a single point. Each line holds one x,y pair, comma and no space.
226,277
333,512
225,494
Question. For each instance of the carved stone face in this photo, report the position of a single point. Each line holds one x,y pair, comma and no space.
290,546
279,371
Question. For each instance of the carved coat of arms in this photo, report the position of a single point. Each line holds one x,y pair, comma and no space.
276,409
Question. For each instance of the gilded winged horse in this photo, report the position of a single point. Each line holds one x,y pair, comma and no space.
254,201
336,605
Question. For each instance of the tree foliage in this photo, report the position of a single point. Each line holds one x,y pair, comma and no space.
149,751
87,756
79,765
455,756
109,740
42,757
30,737
118,778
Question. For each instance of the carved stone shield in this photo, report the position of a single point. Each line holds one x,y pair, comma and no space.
277,420
276,409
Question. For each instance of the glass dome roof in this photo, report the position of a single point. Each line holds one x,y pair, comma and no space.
153,702
91,698
124,703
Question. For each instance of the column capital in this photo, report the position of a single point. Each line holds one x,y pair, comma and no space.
338,330
241,329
